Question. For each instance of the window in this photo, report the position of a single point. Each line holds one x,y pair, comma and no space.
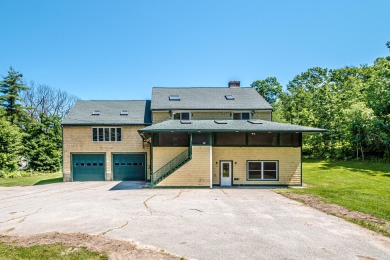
262,170
106,134
96,112
182,116
241,116
263,139
230,139
171,139
124,112
174,98
229,97
289,139
201,139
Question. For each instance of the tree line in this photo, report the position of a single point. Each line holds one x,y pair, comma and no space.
352,103
30,124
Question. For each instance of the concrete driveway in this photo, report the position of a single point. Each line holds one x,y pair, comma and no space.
195,223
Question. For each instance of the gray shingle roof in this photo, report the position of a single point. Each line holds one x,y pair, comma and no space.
81,113
208,99
231,125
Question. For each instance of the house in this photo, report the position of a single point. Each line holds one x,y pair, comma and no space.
183,137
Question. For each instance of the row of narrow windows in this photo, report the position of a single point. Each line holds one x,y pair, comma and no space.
112,134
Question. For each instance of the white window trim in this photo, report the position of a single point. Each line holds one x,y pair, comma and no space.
262,171
109,134
240,112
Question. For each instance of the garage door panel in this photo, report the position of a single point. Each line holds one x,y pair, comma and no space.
88,167
129,167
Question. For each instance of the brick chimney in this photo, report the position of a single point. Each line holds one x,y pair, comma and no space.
234,84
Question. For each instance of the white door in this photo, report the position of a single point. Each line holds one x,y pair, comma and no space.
226,173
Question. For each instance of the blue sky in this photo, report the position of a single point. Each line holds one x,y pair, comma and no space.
121,49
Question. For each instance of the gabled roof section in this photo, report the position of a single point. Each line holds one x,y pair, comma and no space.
110,112
228,126
208,99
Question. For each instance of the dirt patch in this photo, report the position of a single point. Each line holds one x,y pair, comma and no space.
337,210
115,249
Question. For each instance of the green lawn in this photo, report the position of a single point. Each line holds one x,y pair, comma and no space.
357,186
36,179
11,251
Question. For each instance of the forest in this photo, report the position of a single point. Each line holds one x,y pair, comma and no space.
30,125
352,103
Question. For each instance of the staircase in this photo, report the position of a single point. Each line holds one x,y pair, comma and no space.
171,166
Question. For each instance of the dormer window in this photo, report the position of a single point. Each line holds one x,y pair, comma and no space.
124,112
96,112
229,97
174,98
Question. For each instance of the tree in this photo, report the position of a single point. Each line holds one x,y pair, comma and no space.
10,87
43,144
269,88
48,101
388,45
10,145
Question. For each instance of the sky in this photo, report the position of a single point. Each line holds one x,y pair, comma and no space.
120,49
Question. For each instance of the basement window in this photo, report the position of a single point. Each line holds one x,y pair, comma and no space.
262,170
174,98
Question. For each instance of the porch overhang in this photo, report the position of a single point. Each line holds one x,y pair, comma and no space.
213,126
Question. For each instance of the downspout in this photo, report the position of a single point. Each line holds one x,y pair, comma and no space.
63,169
211,161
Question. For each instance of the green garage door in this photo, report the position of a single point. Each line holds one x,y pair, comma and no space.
129,167
88,167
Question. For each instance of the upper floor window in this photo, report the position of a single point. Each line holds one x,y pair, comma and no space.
106,134
182,116
241,116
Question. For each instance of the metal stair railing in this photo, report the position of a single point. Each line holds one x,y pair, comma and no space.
171,166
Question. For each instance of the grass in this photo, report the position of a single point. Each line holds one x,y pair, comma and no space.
56,251
357,186
35,179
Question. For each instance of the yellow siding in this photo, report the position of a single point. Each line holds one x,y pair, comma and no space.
158,117
262,115
78,139
162,155
211,116
195,172
289,163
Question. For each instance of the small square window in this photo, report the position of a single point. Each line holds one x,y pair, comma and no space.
245,116
174,98
236,116
184,116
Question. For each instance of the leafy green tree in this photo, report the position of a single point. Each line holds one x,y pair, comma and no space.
10,87
10,145
269,88
43,144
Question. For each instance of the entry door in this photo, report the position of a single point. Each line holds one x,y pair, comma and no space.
226,173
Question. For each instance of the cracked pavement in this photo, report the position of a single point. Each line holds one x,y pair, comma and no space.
195,223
